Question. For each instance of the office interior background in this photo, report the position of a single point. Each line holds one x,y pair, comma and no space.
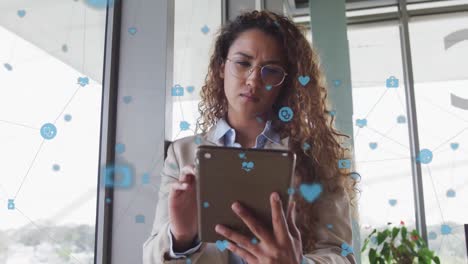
88,89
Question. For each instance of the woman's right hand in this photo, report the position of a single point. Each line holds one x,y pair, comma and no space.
183,209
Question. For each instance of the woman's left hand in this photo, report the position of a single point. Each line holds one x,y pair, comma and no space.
284,245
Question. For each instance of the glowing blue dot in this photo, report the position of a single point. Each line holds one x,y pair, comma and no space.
119,148
108,200
206,204
67,117
432,235
48,131
127,99
451,193
425,156
445,229
254,241
56,167
291,190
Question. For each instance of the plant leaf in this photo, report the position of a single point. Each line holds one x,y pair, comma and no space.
372,256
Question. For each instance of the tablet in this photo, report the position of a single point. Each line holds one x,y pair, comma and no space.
227,174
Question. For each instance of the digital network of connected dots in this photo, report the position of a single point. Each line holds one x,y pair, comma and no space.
51,129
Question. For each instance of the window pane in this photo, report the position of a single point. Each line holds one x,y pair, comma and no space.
381,140
439,45
196,24
51,56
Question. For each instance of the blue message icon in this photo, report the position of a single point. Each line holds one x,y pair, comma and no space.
451,193
118,176
222,244
21,13
445,229
48,131
83,81
310,192
205,29
303,80
127,99
184,125
140,219
285,114
177,90
361,122
8,66
132,31
247,166
99,4
401,119
425,156
11,204
392,82
344,163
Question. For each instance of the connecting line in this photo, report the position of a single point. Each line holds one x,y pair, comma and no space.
445,142
30,166
376,103
18,124
435,194
51,238
383,135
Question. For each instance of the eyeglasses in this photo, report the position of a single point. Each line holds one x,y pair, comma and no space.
271,74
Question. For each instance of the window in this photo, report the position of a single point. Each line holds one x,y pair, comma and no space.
194,33
51,58
439,43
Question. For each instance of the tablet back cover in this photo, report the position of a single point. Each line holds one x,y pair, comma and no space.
226,175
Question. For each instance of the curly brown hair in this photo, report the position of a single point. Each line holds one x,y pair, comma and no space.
312,123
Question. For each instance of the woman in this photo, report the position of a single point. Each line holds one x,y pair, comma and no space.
261,64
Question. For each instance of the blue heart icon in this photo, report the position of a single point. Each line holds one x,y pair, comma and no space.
337,83
222,244
392,202
304,80
190,89
454,145
21,13
361,122
205,29
445,229
310,192
247,166
373,145
184,125
83,81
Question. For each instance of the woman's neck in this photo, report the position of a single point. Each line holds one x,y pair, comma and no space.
247,127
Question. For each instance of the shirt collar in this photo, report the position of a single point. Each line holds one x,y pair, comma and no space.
225,134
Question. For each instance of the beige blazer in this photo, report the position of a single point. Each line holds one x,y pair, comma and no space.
333,209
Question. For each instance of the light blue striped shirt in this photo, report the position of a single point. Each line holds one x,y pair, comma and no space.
226,136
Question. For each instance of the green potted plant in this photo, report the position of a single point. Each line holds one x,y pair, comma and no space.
395,245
